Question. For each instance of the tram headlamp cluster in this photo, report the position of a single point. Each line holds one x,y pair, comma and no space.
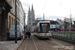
41,34
48,34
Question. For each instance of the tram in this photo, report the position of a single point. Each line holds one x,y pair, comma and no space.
43,29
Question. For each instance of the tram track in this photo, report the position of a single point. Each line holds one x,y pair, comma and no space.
59,46
50,44
44,44
28,44
34,44
22,46
37,44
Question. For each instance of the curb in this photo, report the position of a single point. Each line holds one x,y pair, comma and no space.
19,44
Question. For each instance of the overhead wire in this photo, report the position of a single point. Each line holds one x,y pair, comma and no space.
43,6
27,4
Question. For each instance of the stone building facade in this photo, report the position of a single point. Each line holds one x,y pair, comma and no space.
20,15
31,20
7,16
4,9
11,14
0,23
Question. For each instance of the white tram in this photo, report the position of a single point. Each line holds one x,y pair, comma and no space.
43,29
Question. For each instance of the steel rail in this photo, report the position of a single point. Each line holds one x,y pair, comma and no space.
34,44
26,45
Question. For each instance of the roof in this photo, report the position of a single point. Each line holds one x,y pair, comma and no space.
53,22
44,22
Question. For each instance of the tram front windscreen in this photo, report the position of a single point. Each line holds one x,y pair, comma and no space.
44,27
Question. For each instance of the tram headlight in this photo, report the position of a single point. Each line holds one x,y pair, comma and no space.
41,34
49,31
48,34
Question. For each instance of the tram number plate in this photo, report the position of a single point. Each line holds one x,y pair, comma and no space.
45,34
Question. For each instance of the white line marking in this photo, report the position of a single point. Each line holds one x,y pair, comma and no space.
34,44
57,43
55,48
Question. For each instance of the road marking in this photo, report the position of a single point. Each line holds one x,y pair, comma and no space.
34,44
57,43
52,45
62,45
26,44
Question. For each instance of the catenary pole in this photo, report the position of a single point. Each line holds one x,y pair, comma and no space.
15,22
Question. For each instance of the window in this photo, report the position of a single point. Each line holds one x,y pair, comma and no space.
45,27
12,21
9,21
33,23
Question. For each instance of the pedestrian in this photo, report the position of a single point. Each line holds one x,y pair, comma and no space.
26,33
29,34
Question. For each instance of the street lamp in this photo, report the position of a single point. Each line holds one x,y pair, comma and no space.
15,22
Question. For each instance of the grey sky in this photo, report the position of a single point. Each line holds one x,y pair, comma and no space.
52,9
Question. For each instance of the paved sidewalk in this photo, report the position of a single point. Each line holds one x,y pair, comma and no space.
9,45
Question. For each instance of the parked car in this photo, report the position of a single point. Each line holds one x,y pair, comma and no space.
19,32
